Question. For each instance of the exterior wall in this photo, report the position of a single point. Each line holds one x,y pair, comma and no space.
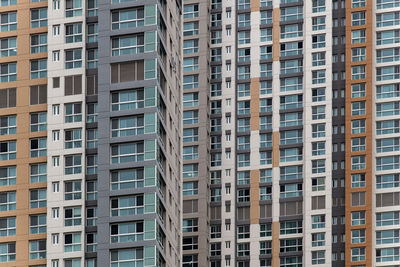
57,148
167,146
202,91
22,110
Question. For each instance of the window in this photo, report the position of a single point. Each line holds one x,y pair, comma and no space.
127,18
72,262
291,84
73,138
318,221
128,257
73,8
291,190
7,252
8,99
358,54
357,3
38,173
190,117
91,164
358,236
92,33
191,82
265,230
192,28
243,249
265,140
190,225
358,18
8,47
8,125
243,159
388,218
291,245
8,150
91,216
73,58
127,232
358,254
38,198
358,162
266,35
124,179
358,90
291,119
190,188
190,135
265,52
318,23
387,181
358,126
38,95
358,108
291,13
38,43
8,176
387,19
318,6
72,242
92,8
129,152
318,257
318,112
91,242
318,239
73,33
243,19
318,76
387,163
129,71
358,218
265,193
291,66
56,30
243,195
318,184
318,41
216,19
318,130
291,31
127,205
8,226
8,21
8,3
73,164
318,166
73,112
243,231
8,73
190,11
387,91
37,224
72,216
38,147
38,68
73,190
39,18
38,121
243,37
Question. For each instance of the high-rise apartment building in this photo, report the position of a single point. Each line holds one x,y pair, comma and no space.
291,123
90,133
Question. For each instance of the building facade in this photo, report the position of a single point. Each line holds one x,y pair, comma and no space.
102,80
302,133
